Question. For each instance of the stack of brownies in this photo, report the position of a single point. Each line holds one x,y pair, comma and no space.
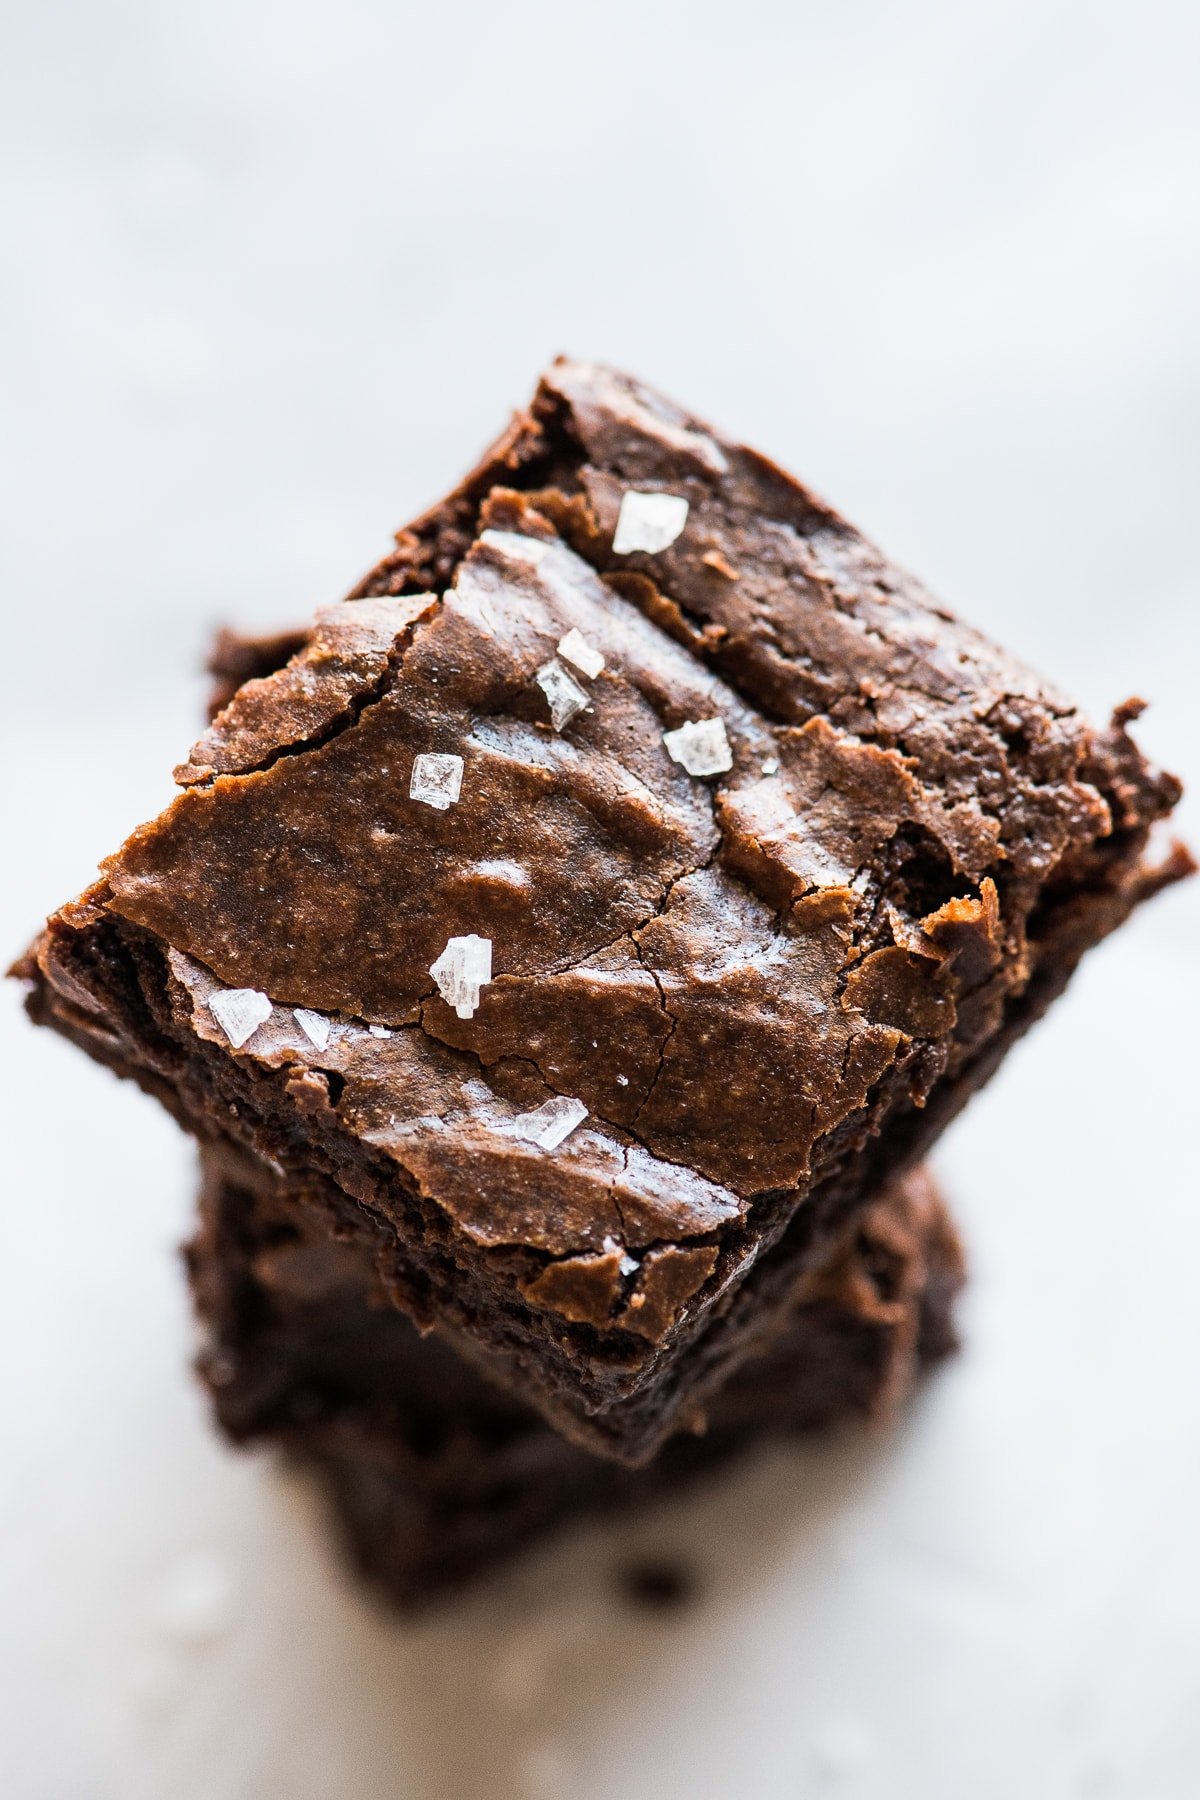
564,952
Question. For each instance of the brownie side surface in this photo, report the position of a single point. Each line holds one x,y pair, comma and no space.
435,1472
768,985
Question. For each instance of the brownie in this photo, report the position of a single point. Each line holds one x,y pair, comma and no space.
236,658
628,879
435,1472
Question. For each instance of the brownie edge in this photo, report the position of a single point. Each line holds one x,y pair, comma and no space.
755,899
434,1473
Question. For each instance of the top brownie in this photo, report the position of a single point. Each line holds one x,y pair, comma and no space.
633,872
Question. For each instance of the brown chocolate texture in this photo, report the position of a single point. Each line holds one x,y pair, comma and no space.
769,987
435,1473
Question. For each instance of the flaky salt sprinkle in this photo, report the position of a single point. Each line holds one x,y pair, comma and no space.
575,647
771,766
464,967
700,746
314,1025
551,1122
436,779
649,522
564,694
379,1031
239,1012
628,1265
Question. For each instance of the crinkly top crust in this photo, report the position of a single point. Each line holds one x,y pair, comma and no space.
720,969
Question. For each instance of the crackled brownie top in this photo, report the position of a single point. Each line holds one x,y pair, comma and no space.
603,854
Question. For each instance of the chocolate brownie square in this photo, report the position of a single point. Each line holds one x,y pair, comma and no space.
635,873
434,1472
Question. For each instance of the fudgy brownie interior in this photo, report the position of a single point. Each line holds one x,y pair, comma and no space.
435,1472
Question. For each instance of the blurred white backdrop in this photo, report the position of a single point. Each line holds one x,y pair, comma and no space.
272,273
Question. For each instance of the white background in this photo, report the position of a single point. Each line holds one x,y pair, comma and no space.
272,273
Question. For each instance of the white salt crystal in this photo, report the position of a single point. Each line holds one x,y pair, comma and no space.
239,1012
577,650
649,522
771,766
628,1263
379,1031
701,746
622,1081
314,1025
464,966
436,779
565,695
551,1122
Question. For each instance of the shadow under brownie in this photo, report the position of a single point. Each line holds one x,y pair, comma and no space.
436,1473
757,863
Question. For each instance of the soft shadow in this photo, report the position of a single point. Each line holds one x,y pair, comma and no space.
486,1697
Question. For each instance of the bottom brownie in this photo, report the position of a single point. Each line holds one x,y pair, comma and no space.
434,1473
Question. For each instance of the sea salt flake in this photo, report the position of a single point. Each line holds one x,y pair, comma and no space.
771,766
622,1081
464,967
239,1012
566,697
700,746
577,650
436,779
649,522
379,1031
628,1264
314,1025
551,1122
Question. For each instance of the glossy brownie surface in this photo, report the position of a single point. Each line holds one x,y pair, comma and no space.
772,857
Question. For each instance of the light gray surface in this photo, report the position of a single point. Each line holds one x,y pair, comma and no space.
272,273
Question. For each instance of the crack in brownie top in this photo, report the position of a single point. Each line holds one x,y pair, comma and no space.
746,819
